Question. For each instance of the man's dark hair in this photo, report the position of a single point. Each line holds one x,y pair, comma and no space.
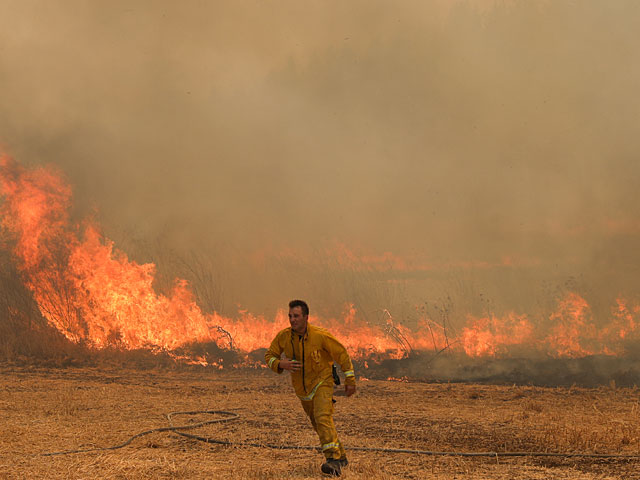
300,303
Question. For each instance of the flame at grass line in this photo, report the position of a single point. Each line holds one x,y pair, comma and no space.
570,331
92,293
487,336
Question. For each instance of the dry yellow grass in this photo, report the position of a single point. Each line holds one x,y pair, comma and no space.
46,410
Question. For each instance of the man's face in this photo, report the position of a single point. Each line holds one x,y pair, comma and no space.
298,320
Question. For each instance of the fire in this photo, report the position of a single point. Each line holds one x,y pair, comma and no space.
624,324
573,330
94,294
404,379
491,335
570,331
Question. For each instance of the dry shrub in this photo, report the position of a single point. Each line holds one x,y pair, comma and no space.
25,335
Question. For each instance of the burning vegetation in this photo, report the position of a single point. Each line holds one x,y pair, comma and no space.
91,294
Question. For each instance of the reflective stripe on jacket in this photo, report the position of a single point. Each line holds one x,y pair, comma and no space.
316,350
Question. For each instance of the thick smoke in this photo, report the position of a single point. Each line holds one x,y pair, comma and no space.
489,145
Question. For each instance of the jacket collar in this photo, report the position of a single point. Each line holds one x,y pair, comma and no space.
306,334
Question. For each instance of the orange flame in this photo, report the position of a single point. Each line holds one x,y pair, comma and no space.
573,330
92,293
489,336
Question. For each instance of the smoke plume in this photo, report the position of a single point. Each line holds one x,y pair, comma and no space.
368,152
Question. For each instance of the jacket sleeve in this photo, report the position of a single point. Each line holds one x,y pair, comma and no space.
272,355
341,357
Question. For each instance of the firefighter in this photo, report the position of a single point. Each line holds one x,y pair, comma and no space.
309,353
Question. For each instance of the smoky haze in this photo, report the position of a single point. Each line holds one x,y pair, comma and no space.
478,136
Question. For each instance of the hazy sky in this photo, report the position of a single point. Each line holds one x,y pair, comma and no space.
451,131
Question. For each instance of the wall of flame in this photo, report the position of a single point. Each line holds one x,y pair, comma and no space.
94,294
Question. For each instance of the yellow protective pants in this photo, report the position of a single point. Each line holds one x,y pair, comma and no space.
320,412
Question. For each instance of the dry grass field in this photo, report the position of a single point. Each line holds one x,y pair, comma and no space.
46,410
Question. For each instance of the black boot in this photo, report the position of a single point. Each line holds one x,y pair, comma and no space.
331,467
343,461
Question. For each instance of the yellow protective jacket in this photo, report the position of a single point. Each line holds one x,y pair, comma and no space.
316,350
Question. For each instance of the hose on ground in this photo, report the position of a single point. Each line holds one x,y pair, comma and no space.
229,416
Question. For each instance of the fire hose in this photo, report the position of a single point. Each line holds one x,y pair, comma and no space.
229,416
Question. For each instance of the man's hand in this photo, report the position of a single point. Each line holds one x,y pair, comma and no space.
349,390
291,365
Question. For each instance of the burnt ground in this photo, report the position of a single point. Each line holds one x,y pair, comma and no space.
45,410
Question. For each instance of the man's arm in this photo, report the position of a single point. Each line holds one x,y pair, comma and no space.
275,363
341,357
272,356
